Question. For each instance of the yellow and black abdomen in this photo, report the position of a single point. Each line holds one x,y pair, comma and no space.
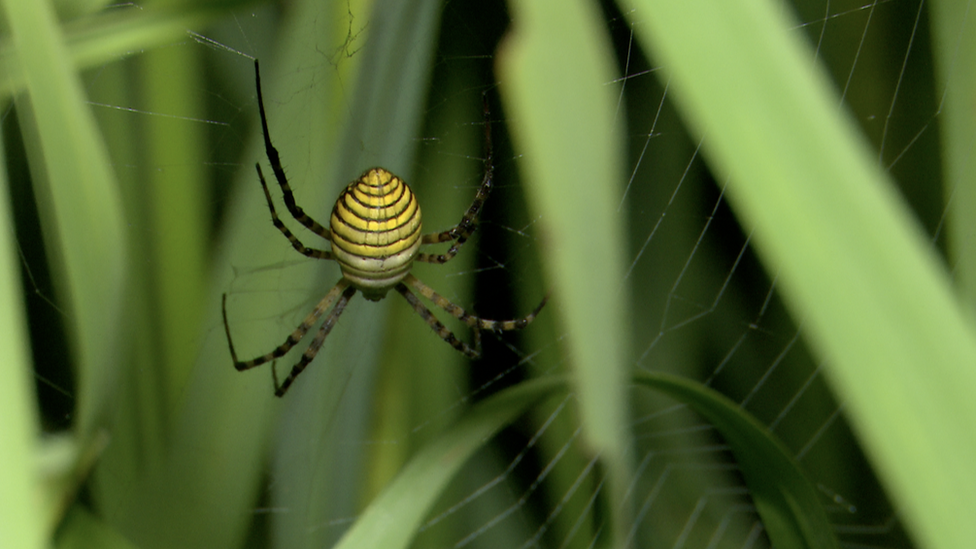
376,231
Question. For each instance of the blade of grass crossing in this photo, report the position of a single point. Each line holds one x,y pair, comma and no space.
376,125
555,68
392,519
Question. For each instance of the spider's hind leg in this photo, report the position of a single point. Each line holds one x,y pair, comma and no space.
341,292
476,323
439,328
316,345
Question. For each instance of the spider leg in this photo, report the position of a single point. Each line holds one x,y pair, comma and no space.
472,320
295,243
460,232
313,349
341,288
296,211
441,330
476,323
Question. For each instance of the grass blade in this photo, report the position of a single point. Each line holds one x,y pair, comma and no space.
556,67
392,520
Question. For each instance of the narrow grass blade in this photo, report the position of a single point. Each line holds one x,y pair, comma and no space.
373,116
954,44
556,70
79,203
20,489
391,521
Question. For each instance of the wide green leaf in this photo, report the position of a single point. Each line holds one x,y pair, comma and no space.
788,504
874,298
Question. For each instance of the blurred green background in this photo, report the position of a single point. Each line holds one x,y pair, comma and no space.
136,207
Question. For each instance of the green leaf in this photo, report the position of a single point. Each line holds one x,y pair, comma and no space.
21,502
786,501
556,69
954,45
391,521
854,266
79,203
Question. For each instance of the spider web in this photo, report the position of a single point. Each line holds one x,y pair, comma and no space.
703,305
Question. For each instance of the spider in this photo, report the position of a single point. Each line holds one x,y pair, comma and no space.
375,235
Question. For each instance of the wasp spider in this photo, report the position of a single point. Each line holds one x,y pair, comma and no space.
375,236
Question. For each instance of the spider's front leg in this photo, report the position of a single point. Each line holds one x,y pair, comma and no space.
293,208
463,230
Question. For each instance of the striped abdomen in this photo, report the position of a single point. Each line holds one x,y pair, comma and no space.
376,231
